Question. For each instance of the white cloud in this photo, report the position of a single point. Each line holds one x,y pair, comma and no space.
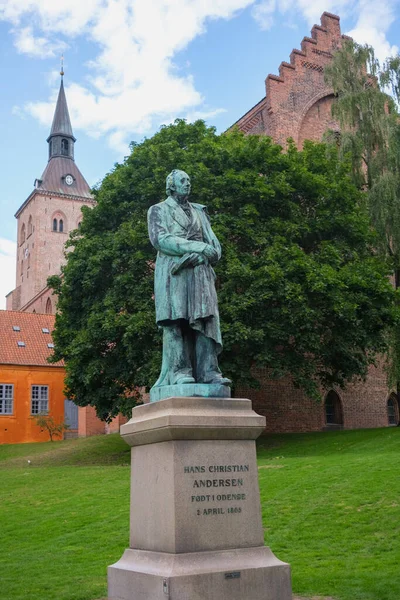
373,37
373,18
263,13
8,251
38,46
204,114
373,23
133,84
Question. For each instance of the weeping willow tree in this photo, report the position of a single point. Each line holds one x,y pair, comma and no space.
367,110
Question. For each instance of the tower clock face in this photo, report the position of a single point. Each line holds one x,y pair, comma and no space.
69,180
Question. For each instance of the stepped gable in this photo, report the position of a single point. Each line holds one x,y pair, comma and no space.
297,103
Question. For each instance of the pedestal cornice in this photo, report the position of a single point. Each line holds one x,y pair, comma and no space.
193,418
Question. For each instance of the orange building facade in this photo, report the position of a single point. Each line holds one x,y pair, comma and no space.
29,384
25,382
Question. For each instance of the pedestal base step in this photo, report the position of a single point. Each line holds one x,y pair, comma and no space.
243,574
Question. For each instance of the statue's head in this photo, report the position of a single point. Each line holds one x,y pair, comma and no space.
178,184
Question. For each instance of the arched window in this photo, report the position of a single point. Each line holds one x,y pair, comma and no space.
79,224
22,267
30,226
64,147
393,410
333,409
59,222
48,307
29,261
22,233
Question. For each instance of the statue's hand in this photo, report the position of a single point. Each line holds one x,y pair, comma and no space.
197,259
210,253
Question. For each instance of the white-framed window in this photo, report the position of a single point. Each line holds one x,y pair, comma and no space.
6,398
39,399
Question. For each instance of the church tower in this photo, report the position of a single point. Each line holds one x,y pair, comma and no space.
48,215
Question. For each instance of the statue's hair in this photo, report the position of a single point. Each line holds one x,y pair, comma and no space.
169,184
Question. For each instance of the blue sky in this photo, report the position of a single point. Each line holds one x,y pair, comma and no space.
132,65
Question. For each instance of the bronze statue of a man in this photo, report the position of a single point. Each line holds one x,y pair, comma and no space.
184,286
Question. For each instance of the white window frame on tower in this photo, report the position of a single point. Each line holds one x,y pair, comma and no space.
6,399
39,399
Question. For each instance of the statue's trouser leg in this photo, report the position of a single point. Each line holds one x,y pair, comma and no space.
206,359
176,354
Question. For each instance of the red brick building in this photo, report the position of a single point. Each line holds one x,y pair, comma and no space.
46,218
297,104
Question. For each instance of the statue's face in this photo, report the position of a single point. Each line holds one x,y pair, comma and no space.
182,183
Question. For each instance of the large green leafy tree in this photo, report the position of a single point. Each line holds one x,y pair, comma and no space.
300,289
370,135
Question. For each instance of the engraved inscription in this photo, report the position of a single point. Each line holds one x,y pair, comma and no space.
198,483
216,502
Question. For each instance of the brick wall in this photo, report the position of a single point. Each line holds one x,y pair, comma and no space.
365,404
42,303
41,253
116,423
88,422
287,409
298,104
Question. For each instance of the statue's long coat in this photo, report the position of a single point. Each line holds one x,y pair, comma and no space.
190,294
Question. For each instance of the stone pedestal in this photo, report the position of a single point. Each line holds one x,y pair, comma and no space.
195,527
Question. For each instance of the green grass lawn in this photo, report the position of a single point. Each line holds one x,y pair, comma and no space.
330,503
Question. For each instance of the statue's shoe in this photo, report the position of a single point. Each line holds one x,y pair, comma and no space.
184,380
220,380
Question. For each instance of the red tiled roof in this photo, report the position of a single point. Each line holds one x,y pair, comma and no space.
36,351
